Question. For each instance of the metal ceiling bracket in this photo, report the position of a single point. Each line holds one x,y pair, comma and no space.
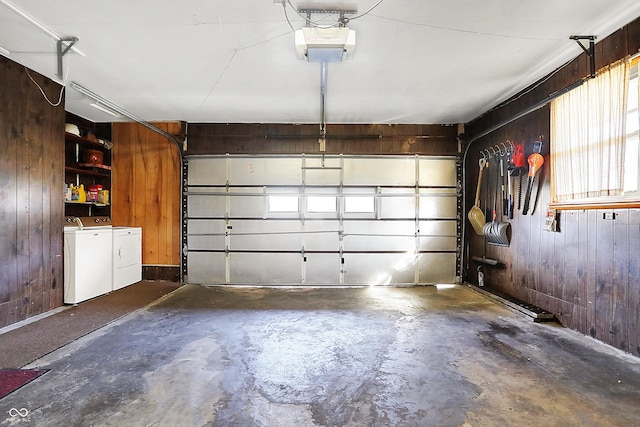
69,42
342,12
590,52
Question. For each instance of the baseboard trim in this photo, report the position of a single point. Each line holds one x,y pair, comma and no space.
161,272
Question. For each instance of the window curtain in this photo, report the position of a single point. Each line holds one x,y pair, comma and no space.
588,127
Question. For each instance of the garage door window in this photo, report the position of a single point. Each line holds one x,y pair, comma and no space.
283,204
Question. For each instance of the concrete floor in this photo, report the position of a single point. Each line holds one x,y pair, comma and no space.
421,356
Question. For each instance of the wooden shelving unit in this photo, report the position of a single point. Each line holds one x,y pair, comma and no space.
77,172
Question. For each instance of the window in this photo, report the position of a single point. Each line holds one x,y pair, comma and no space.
632,153
594,140
280,203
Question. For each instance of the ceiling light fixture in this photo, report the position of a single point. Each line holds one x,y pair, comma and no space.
97,105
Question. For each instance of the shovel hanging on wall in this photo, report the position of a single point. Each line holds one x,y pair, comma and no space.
475,215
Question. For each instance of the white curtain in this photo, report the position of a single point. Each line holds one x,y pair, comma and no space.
588,127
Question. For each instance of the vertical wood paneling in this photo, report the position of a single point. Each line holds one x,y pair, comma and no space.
633,326
146,189
605,330
587,274
620,283
570,248
590,239
31,204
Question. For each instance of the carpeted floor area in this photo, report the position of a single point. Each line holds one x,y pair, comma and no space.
13,379
21,346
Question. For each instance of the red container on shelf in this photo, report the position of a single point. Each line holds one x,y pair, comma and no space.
92,193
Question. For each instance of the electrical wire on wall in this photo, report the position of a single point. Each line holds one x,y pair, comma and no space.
44,95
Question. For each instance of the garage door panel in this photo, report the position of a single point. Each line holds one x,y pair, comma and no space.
322,269
322,235
379,236
379,269
264,171
396,237
434,243
438,204
437,268
206,267
261,268
437,228
206,171
243,202
206,226
437,172
205,206
397,207
270,235
206,243
380,171
322,171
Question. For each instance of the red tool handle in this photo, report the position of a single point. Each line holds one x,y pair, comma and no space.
518,157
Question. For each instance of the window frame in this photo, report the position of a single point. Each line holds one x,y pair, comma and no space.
626,201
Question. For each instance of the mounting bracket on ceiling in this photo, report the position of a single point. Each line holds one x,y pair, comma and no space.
69,42
591,52
342,12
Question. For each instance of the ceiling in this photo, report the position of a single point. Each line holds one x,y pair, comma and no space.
214,61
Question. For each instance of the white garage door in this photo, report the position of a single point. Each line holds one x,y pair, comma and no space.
320,220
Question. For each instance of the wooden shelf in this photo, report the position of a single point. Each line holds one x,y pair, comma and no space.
90,172
80,140
72,202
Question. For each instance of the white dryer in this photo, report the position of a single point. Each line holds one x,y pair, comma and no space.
127,256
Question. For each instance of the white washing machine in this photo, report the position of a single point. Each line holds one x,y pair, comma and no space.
127,256
87,258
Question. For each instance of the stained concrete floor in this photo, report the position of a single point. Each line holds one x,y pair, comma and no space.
421,356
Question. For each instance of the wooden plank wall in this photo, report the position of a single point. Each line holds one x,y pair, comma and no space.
145,189
31,195
588,274
221,138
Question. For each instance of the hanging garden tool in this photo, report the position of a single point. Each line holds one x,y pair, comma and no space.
510,169
476,216
519,169
496,232
505,201
535,163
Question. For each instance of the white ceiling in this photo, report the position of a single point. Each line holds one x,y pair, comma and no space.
415,61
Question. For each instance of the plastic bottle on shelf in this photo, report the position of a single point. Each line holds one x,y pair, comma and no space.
82,195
